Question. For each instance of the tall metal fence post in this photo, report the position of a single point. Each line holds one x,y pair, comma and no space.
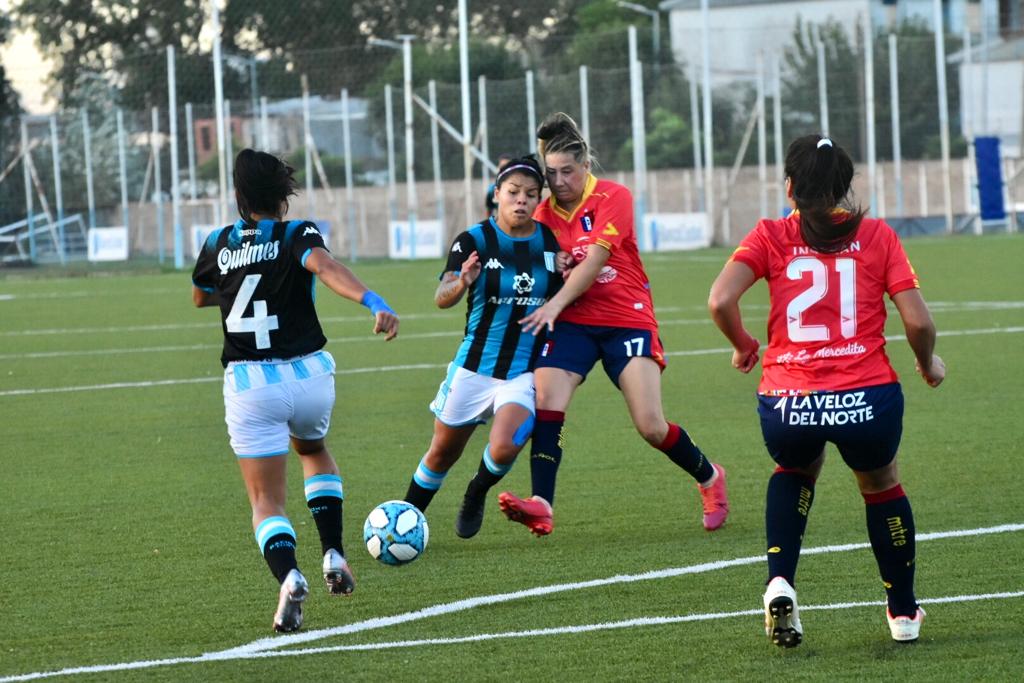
411,199
190,137
485,147
122,166
869,92
172,116
531,114
636,91
940,69
762,140
584,104
58,190
389,133
218,90
307,137
698,163
435,145
158,198
350,198
90,192
780,175
819,48
709,151
29,209
894,108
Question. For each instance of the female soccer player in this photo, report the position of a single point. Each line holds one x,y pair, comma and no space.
826,377
604,312
278,380
509,266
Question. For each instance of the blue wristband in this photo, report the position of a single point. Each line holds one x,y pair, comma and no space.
375,302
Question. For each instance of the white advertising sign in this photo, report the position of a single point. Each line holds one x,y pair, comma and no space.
108,244
428,240
676,231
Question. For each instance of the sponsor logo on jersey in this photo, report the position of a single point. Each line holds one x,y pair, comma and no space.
456,248
517,300
493,264
310,230
523,283
229,259
251,232
606,275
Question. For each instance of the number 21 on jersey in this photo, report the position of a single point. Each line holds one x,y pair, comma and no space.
259,323
847,270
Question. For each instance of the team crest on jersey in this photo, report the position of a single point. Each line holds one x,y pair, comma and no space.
523,283
587,221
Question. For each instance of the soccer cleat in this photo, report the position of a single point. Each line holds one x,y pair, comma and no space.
533,512
294,590
337,574
471,516
905,629
715,501
781,619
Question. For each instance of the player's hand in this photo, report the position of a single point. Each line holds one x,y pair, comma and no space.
746,360
934,374
543,317
470,269
564,262
387,323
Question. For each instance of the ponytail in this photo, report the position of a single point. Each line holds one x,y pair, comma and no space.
820,173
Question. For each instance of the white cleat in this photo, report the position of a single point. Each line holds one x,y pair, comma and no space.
905,629
781,619
289,604
337,573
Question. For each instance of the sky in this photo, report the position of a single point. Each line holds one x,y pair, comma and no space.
26,68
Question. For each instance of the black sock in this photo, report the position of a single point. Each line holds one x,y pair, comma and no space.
424,484
325,500
790,495
891,530
276,539
487,475
546,453
681,450
419,496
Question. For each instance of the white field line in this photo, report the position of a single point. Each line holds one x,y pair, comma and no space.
414,366
944,306
270,647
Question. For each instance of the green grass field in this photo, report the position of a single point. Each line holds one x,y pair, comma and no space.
126,534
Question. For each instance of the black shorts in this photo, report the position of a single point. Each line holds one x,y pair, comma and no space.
576,348
865,425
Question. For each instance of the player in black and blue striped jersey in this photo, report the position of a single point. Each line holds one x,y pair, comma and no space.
278,379
506,266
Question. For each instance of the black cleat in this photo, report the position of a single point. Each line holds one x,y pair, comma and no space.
471,516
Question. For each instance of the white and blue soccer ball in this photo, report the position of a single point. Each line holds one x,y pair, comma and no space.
396,532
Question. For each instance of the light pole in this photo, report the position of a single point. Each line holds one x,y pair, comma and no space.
656,27
410,181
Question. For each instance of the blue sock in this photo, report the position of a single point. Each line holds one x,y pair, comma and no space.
790,495
546,453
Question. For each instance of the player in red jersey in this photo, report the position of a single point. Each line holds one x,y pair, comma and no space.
826,377
603,312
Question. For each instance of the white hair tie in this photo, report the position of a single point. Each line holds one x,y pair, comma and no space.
823,142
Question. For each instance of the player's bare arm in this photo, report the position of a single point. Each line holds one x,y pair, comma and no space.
581,277
454,285
724,306
202,298
343,282
920,331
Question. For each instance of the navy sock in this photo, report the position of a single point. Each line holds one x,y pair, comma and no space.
681,450
325,498
546,453
790,495
424,485
276,539
891,530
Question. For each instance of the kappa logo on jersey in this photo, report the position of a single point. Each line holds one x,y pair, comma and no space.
310,230
456,248
493,264
229,259
523,283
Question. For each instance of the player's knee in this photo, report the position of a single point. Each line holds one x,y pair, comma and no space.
878,480
652,430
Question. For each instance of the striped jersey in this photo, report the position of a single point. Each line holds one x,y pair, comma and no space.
266,294
517,276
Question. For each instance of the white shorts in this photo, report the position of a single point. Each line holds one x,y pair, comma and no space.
466,397
267,402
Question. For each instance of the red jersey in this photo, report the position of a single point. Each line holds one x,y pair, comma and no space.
827,317
621,294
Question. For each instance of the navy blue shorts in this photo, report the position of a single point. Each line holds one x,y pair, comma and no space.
865,425
576,348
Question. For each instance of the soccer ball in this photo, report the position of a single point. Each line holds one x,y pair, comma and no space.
396,532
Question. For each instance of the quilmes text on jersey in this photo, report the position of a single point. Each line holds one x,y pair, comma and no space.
229,259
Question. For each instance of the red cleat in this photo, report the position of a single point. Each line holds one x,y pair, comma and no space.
534,513
715,500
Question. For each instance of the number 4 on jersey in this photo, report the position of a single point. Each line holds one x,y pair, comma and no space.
260,323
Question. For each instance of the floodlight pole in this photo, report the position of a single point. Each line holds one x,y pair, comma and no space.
655,15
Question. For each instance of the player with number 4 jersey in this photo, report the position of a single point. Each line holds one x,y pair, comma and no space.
278,379
826,376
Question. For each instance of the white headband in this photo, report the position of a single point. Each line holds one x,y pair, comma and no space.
823,142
